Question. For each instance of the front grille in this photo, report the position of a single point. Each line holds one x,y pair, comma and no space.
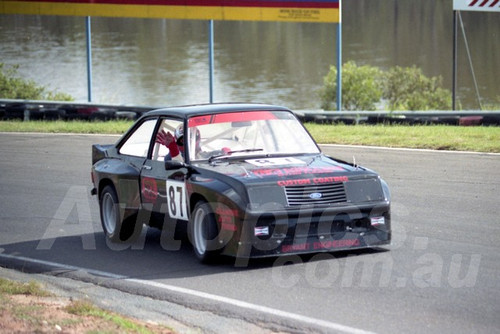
316,194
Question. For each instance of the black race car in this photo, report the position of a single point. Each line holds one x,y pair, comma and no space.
245,180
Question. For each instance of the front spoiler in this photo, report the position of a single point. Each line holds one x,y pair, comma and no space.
332,230
349,241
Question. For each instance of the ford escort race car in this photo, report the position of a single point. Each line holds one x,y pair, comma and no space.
245,180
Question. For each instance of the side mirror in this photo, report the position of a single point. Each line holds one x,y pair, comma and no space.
174,164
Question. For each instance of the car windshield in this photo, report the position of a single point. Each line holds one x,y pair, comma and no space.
247,133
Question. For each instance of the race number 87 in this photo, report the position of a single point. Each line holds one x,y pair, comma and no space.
176,197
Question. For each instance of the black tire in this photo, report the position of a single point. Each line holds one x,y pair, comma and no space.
126,115
203,232
116,229
104,115
54,114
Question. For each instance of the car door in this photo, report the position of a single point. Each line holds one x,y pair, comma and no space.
133,151
163,191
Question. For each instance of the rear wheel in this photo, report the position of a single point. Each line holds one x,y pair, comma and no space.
116,229
203,232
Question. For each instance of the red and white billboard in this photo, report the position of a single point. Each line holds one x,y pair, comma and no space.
477,5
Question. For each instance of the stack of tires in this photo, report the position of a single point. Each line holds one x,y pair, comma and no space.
26,111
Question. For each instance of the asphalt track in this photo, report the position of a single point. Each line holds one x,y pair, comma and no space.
440,275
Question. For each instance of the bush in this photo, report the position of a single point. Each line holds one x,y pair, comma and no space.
14,87
409,89
361,87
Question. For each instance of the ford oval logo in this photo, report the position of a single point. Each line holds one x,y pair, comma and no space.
315,195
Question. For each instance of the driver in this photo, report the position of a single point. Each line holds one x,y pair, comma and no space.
175,143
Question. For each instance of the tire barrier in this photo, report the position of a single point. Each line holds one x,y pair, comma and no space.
42,110
48,110
459,118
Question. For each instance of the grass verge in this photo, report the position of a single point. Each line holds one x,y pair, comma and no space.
8,287
111,127
437,137
28,308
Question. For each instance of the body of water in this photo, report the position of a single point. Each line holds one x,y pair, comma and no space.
165,62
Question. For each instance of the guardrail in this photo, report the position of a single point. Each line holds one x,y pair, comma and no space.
50,110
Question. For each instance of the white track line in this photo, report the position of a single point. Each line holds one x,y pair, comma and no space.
407,149
220,299
61,266
253,307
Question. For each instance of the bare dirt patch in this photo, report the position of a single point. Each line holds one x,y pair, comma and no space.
47,314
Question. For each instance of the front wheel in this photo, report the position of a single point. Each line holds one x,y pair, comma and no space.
116,228
203,232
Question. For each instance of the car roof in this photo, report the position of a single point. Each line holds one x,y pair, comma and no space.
213,108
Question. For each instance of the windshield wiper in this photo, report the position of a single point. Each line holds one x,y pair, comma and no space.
228,153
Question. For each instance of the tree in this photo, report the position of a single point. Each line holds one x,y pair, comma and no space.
361,87
409,89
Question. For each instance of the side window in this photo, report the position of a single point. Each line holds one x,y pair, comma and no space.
167,126
138,143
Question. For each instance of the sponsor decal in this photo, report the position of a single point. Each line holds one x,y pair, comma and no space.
261,231
299,182
318,245
226,218
230,117
377,221
294,248
336,244
290,171
228,226
316,180
330,179
149,189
